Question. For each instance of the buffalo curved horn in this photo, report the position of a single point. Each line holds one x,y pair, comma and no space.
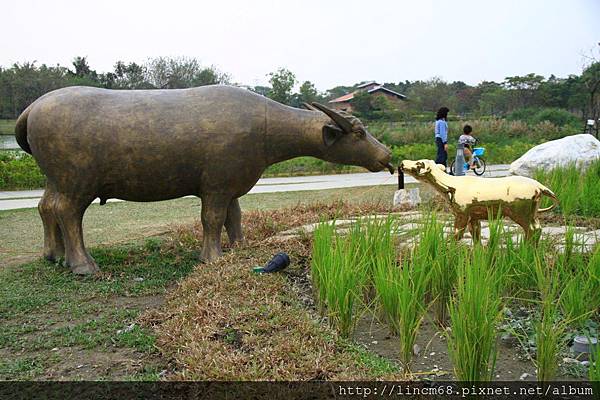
336,117
309,107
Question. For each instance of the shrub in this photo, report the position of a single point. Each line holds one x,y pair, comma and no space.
556,116
19,170
522,114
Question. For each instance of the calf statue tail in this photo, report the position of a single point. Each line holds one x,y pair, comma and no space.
21,130
549,193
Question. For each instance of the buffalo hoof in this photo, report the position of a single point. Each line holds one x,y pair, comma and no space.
210,255
52,258
88,268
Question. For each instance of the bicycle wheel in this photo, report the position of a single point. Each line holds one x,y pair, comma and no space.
479,167
452,171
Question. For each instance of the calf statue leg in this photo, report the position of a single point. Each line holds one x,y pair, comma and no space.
213,215
69,210
233,222
475,229
460,224
535,230
54,247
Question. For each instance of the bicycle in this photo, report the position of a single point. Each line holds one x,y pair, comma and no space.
478,162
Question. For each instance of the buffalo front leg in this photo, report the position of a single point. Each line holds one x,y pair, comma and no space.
213,215
233,222
54,247
69,210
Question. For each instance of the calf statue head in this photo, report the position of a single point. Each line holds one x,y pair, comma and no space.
420,168
347,141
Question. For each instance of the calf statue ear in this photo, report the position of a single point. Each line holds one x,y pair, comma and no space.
331,134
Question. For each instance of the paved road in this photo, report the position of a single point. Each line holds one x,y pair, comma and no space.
30,198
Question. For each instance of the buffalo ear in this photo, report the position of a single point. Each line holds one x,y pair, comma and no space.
338,118
309,107
331,134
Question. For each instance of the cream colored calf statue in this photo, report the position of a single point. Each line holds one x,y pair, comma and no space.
473,199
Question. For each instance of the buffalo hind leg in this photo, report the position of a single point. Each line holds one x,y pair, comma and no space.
54,247
69,210
233,222
213,215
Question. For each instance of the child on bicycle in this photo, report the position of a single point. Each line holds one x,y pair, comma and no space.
468,141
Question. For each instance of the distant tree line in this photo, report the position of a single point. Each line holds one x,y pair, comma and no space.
22,83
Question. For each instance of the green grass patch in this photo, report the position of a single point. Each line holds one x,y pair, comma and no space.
7,126
46,308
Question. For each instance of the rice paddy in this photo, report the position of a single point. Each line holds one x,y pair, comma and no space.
463,289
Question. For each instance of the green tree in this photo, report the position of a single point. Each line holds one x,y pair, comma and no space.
362,105
282,81
262,90
590,79
127,76
524,89
308,92
211,76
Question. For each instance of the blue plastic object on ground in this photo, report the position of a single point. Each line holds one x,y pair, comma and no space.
277,263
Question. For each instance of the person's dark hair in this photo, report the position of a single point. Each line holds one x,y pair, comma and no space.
442,113
467,129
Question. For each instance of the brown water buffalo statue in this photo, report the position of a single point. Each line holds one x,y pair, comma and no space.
149,145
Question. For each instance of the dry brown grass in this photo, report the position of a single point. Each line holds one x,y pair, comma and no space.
224,322
261,224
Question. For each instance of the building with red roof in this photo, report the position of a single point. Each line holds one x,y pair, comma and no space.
372,88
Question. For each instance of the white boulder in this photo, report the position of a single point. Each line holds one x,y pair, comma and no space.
577,149
407,198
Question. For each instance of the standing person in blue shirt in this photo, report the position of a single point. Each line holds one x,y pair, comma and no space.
441,136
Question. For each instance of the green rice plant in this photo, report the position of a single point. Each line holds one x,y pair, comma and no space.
386,277
475,311
432,245
550,327
579,286
593,271
594,371
401,293
375,238
590,190
321,260
574,300
344,290
518,259
339,274
577,190
412,285
548,333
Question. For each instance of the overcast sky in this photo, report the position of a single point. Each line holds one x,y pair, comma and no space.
327,42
